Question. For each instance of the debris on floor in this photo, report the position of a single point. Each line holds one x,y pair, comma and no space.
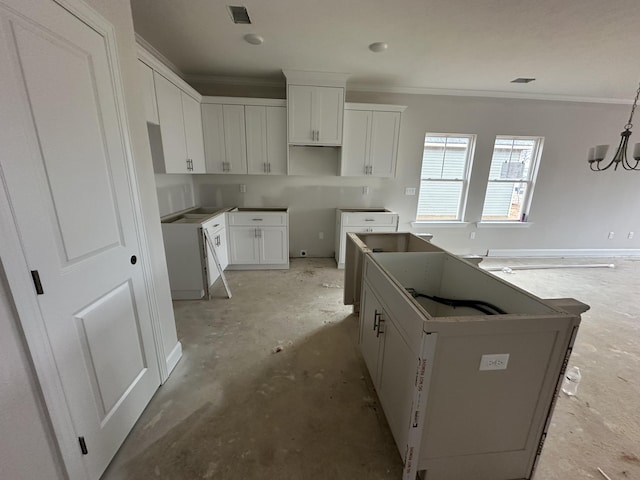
329,285
604,474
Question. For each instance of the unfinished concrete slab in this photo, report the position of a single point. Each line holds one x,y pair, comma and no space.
272,384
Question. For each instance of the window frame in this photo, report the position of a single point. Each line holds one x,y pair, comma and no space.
464,194
530,181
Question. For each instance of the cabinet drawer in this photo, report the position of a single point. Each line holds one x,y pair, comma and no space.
369,219
216,224
258,218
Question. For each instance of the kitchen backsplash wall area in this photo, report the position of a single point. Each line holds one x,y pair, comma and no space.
312,202
175,193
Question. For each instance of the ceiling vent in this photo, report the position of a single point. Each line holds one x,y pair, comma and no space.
522,80
239,15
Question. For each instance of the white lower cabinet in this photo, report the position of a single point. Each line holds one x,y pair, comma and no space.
217,234
259,239
376,220
390,362
454,412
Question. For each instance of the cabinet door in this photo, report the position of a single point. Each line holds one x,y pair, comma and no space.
397,370
277,140
171,125
370,313
148,93
222,249
274,245
243,246
212,270
193,132
356,141
256,134
385,130
328,108
300,107
235,138
213,127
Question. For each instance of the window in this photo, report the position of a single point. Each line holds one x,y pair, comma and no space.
446,164
511,177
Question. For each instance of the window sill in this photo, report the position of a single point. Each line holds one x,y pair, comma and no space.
504,224
451,224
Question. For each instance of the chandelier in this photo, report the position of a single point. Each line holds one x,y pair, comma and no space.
597,153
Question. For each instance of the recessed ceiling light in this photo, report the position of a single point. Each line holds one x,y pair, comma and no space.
522,80
254,39
378,47
239,14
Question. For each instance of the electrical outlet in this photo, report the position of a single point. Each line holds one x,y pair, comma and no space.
472,235
321,235
365,190
630,236
409,191
243,188
611,234
498,361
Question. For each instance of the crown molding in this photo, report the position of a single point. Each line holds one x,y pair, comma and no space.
229,80
158,56
483,93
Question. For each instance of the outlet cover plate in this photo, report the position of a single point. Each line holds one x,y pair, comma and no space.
409,191
496,361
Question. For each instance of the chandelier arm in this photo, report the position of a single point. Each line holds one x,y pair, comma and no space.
633,109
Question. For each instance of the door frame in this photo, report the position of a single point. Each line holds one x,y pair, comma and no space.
19,279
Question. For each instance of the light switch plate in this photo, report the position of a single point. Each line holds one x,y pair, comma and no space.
497,361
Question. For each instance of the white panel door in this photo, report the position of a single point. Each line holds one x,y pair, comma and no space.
385,129
174,144
235,138
66,170
300,108
329,107
213,131
356,142
193,132
274,247
277,140
243,246
256,134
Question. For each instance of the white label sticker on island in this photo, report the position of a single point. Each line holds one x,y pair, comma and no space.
498,361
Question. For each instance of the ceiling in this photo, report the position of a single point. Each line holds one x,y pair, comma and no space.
574,48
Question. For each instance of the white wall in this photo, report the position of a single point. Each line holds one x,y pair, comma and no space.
175,192
572,207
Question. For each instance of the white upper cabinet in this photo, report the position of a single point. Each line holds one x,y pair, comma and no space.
180,129
174,145
148,93
193,132
224,138
315,115
371,134
277,140
266,140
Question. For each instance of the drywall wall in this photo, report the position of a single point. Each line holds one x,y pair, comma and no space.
572,206
27,447
175,192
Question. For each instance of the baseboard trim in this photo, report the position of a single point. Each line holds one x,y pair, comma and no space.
173,358
563,252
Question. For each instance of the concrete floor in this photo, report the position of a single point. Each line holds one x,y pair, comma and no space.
236,408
